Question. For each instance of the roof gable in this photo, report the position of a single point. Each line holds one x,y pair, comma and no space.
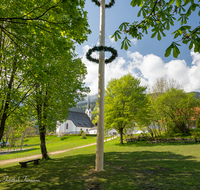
80,119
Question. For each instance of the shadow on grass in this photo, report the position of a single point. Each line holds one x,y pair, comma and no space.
31,145
26,140
25,150
12,152
123,170
64,138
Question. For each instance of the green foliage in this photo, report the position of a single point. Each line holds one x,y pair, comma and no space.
198,124
102,48
126,42
143,137
93,135
19,126
83,136
125,102
81,131
174,47
37,43
74,135
112,2
175,108
95,114
160,16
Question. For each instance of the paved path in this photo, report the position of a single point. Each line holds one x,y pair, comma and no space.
3,162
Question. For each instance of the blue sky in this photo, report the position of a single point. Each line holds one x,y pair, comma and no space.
145,59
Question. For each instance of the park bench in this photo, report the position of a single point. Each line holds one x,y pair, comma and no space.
24,164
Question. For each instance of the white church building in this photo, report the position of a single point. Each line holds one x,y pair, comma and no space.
76,122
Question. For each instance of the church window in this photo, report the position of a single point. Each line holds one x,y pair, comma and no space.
66,125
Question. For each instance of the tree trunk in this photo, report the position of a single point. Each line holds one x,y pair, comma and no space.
7,101
121,135
182,127
2,127
42,142
42,131
41,123
17,144
22,141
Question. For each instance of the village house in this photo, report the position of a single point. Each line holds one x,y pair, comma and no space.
76,122
110,132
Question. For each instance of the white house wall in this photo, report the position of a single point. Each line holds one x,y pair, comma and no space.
71,126
110,133
85,129
62,127
93,131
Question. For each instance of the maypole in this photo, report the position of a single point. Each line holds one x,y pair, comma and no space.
101,81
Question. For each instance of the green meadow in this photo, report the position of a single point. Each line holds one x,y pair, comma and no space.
53,143
128,166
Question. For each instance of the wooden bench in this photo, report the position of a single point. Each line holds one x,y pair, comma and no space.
24,164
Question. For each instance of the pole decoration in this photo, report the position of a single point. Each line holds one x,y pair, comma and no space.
101,48
112,2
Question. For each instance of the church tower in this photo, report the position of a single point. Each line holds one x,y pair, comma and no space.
88,109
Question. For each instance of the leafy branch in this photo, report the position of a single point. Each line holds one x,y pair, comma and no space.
159,15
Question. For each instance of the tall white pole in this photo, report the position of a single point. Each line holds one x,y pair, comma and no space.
100,122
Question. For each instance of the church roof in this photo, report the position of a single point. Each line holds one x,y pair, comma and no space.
80,119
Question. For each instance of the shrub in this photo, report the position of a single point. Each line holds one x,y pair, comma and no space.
83,136
144,137
81,131
74,134
94,135
61,134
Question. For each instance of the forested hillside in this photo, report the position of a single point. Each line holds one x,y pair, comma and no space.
82,107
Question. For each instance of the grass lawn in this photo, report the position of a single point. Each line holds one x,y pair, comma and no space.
53,143
129,166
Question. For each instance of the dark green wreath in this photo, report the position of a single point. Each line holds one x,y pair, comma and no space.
101,48
112,2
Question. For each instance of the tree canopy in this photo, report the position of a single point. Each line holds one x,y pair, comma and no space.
125,103
176,110
35,36
28,24
160,15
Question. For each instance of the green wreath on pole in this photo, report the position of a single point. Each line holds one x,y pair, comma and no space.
101,48
112,2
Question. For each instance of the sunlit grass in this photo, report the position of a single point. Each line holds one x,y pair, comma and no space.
129,166
53,143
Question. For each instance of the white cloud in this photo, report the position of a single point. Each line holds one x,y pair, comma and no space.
196,57
178,70
134,41
148,68
112,40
